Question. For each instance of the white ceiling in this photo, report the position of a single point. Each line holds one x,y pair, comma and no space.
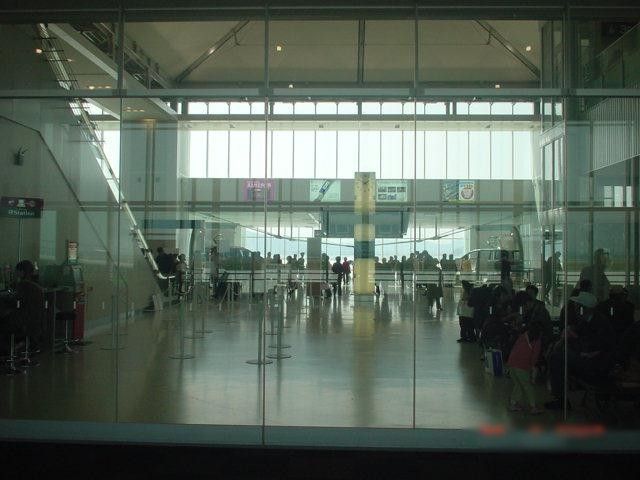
450,52
327,51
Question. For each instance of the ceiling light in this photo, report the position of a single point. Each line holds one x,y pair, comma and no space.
38,51
69,59
291,85
279,47
91,87
497,85
107,86
528,48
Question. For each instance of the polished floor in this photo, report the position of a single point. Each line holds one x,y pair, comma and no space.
350,364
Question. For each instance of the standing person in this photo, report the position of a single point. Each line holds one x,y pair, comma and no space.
505,271
215,265
346,270
164,261
337,269
522,360
401,266
552,267
324,263
596,274
453,268
465,314
181,273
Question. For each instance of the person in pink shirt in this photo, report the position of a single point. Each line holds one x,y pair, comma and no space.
522,359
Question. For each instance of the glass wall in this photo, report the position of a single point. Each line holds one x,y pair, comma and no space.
269,218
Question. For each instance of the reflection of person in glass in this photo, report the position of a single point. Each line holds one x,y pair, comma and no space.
595,273
552,269
505,271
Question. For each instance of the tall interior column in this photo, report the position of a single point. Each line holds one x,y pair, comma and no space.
364,235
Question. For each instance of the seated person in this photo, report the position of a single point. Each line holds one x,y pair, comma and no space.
618,310
590,352
628,355
480,300
29,317
534,310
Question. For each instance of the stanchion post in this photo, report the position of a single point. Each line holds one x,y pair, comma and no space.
261,360
203,312
194,333
181,355
114,332
279,345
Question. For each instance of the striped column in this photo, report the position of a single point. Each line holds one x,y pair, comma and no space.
364,234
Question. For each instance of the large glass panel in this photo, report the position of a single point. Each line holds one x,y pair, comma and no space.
479,155
501,155
196,167
347,153
343,340
602,247
255,179
60,203
457,155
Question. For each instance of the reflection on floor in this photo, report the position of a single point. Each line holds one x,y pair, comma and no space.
350,365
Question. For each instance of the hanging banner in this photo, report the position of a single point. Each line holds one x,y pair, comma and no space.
391,190
324,191
467,191
458,191
450,191
256,189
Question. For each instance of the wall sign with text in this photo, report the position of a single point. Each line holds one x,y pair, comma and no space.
255,190
391,191
20,207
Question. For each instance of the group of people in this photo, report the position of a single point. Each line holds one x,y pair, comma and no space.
172,264
601,340
515,323
417,261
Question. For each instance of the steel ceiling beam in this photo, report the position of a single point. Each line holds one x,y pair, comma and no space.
211,50
510,48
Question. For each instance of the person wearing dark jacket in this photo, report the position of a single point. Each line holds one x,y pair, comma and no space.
590,348
339,272
618,310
